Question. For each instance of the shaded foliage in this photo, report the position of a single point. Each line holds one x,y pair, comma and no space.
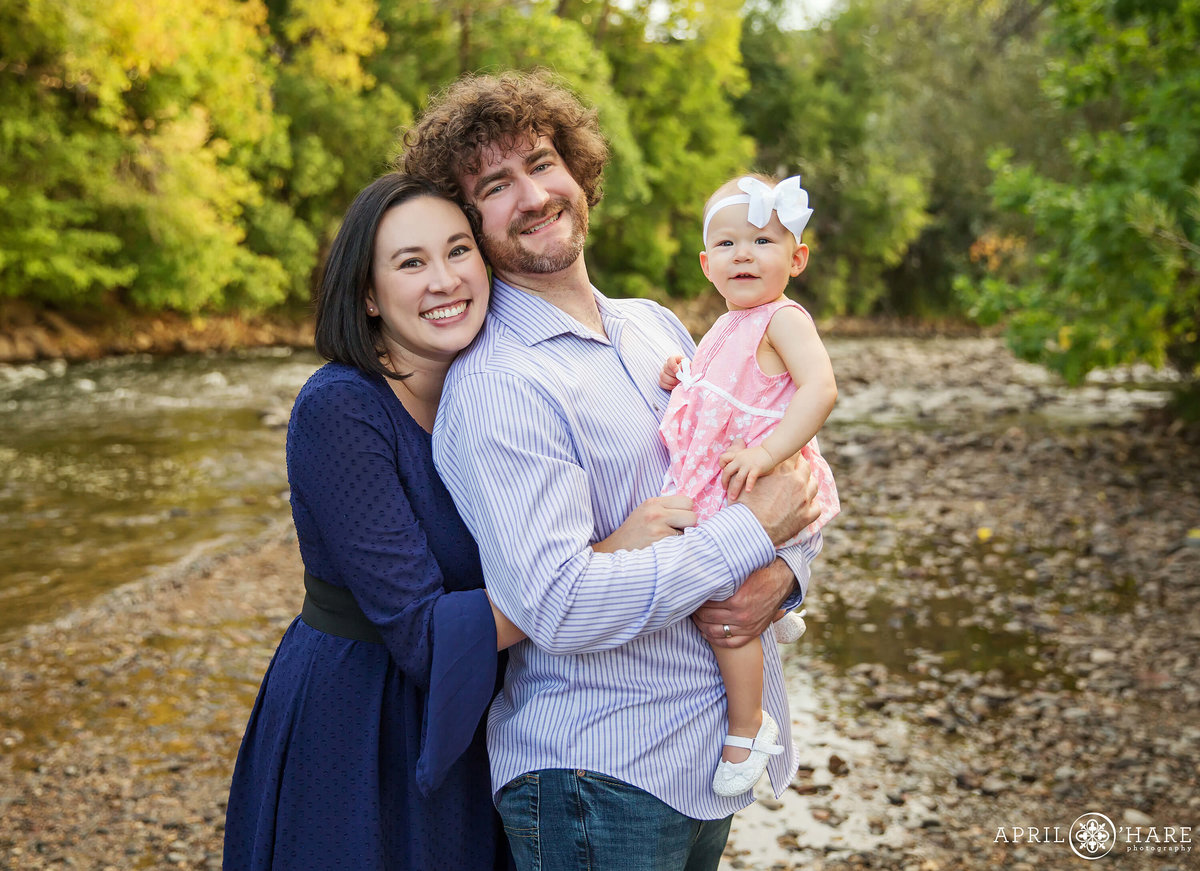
1098,261
818,105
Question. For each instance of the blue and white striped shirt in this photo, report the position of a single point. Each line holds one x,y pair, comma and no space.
547,438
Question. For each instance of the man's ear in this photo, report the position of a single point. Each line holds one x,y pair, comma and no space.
799,259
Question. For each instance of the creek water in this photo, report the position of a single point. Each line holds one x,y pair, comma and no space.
116,469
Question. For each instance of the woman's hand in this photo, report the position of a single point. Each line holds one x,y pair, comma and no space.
654,519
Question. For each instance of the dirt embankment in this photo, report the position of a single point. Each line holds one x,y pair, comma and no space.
28,334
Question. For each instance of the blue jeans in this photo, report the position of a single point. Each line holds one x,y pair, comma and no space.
565,820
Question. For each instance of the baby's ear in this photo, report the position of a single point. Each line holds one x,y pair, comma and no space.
799,259
704,264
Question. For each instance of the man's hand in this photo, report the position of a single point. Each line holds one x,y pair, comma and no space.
785,501
655,518
750,610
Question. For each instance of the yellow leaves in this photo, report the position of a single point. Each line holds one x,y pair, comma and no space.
187,174
333,38
190,203
197,51
996,251
984,534
143,36
1064,337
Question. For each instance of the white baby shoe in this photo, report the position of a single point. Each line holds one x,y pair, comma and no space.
789,627
734,778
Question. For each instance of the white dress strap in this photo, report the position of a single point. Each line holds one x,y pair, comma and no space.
687,379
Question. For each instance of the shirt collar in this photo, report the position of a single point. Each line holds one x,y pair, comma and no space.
532,319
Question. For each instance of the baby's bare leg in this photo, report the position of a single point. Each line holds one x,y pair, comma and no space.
742,672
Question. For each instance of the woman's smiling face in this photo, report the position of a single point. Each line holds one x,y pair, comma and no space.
429,283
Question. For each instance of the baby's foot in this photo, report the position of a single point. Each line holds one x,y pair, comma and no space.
746,730
788,628
734,778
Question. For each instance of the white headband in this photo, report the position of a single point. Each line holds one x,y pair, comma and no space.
787,199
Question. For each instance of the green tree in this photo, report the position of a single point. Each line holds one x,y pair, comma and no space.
53,243
818,105
962,78
678,67
138,179
335,121
488,36
1101,265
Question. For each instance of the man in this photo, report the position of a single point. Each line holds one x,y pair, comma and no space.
605,736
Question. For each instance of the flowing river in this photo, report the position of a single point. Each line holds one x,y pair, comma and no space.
115,469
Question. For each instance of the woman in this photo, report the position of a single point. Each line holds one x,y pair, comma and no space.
364,750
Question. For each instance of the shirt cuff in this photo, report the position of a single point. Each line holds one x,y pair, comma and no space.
799,558
742,541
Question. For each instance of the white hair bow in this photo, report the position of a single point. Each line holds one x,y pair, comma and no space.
787,199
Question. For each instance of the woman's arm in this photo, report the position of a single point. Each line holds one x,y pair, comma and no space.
657,517
507,632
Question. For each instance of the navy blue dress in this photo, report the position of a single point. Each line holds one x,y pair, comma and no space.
371,756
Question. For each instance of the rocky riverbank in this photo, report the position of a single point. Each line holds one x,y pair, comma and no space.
1003,638
1004,632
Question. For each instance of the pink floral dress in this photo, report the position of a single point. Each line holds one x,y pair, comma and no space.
723,395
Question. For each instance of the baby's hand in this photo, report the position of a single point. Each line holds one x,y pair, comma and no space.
741,468
667,378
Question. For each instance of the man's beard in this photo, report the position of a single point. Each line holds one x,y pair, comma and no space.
509,254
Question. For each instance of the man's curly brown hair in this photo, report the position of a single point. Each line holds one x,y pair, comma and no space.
480,111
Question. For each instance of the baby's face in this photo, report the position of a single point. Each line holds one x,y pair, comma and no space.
749,265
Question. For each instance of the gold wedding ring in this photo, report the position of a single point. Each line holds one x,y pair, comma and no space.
728,634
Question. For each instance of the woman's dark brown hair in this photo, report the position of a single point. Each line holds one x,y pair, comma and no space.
344,332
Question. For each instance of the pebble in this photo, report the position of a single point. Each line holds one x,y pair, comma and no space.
1134,817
